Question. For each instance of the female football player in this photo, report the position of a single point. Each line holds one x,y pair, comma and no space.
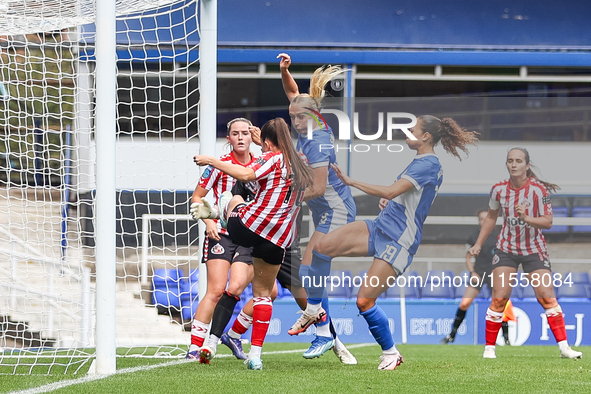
266,223
329,200
219,252
526,207
394,236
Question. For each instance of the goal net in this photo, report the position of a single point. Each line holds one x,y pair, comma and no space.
48,181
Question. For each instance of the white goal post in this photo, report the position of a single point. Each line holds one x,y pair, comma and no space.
101,107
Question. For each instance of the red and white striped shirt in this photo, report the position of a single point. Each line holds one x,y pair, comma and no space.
517,237
271,213
212,178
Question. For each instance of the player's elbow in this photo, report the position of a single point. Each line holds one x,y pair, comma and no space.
547,225
247,176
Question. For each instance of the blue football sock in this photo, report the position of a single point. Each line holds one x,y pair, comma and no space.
378,326
319,270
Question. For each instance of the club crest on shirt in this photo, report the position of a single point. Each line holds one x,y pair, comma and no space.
217,249
525,203
260,161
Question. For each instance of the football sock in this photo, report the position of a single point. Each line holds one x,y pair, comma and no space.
460,315
338,344
255,352
223,313
240,326
563,346
378,326
556,323
313,306
212,342
319,270
493,325
198,334
323,331
505,328
392,350
263,309
326,309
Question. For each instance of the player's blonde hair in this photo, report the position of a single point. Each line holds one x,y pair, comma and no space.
322,76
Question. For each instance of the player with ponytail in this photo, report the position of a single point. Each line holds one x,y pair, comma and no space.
330,201
267,223
526,206
394,236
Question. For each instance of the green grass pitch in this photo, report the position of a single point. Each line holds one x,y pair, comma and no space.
426,368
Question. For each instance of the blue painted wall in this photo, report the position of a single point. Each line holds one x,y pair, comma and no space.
403,32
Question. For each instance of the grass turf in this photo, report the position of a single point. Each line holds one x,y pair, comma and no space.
433,368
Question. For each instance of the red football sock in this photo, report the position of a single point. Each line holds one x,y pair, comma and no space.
198,333
494,320
556,323
262,311
242,323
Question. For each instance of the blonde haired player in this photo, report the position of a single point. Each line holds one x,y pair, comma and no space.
328,198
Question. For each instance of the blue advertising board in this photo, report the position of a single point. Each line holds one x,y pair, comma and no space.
427,321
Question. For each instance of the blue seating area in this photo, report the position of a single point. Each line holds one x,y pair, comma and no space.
580,209
582,212
558,212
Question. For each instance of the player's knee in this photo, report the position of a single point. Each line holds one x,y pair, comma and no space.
465,303
364,304
499,303
214,296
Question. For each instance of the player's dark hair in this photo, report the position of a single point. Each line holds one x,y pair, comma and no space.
531,174
451,134
276,132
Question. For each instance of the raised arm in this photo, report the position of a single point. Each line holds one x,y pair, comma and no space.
289,84
397,188
236,171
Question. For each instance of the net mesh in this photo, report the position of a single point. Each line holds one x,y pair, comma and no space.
47,181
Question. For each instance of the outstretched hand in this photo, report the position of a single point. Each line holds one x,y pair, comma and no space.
203,160
342,176
285,61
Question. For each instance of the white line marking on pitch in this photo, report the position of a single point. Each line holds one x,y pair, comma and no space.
71,382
